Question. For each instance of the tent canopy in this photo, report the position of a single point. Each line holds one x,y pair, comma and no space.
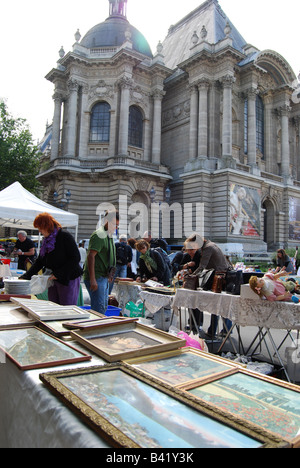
19,208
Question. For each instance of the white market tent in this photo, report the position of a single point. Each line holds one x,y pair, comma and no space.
19,208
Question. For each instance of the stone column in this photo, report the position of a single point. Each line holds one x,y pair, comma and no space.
214,120
125,85
84,131
203,119
285,144
252,93
72,117
269,143
112,136
156,135
147,147
56,126
193,123
227,117
298,147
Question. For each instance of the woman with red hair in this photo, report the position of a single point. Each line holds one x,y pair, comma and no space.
59,253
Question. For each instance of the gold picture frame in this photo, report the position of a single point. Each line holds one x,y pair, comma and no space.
126,340
262,401
183,366
131,410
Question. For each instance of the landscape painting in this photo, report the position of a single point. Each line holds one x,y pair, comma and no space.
147,416
272,407
178,369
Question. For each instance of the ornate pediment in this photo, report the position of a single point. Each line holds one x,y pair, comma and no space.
101,90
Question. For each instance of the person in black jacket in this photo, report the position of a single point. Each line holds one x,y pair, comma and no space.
152,264
59,253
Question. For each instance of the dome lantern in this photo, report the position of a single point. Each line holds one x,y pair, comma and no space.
118,8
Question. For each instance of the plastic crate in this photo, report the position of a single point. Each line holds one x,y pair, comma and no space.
113,311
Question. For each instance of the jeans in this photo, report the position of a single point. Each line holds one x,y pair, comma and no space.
99,298
121,272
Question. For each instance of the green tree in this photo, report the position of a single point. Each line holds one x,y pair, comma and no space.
19,157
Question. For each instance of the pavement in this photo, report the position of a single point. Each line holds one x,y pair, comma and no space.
273,348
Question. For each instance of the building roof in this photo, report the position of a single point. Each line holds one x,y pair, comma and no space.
111,33
177,45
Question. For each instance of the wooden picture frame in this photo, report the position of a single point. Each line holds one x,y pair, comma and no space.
96,323
32,348
182,366
126,340
128,409
262,401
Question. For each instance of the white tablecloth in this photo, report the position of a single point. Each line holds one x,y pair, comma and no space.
155,302
244,312
125,293
31,417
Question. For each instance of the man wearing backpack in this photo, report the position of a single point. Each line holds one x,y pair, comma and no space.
124,257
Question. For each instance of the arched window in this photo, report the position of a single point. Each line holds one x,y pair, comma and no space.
100,123
135,132
260,125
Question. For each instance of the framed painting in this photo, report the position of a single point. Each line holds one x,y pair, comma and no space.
130,410
61,328
183,365
262,401
11,316
126,340
98,323
32,348
48,311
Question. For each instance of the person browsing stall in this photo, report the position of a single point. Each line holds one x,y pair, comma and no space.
212,258
100,260
59,253
25,249
152,264
284,262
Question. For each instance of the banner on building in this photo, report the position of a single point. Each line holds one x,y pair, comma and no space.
245,210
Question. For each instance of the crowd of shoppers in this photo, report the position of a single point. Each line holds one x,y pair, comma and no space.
105,260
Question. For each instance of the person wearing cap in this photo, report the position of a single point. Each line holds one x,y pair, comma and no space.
212,258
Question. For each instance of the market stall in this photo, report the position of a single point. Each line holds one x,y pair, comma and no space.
19,208
243,312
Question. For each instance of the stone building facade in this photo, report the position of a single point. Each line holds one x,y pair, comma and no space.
209,117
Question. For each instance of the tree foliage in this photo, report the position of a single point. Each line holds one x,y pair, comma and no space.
19,157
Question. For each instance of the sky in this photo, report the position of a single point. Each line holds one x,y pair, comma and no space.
32,33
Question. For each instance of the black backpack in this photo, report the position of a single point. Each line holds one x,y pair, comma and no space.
121,253
165,257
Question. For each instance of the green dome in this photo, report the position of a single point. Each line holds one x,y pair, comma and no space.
111,33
